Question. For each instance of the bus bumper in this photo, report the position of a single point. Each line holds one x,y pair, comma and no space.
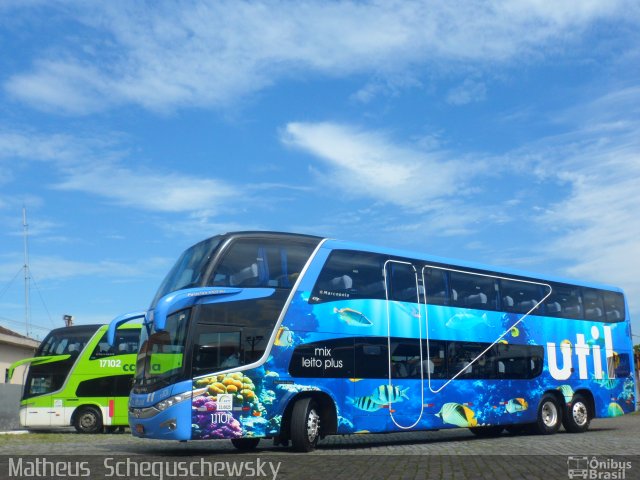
174,423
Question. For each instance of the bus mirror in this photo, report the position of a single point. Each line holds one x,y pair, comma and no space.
116,322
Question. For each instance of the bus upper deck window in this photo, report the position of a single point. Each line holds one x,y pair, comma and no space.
614,306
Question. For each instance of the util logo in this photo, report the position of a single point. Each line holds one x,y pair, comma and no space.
582,350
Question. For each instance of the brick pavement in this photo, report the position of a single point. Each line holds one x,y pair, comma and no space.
442,454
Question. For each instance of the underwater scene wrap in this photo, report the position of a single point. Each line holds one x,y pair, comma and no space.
318,347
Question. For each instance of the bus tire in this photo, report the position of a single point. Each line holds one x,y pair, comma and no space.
487,432
88,420
245,444
305,425
549,417
577,416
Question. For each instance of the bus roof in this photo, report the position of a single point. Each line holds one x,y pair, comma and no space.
266,233
78,328
346,245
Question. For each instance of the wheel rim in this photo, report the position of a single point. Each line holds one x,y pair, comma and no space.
549,414
313,425
580,413
87,421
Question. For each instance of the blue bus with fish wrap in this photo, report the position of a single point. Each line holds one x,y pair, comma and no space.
293,337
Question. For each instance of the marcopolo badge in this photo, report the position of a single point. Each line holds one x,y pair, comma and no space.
225,402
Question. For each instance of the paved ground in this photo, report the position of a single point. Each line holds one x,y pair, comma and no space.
444,454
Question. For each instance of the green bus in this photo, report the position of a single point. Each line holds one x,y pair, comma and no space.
78,379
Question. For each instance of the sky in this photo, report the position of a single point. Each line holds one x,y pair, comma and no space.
499,132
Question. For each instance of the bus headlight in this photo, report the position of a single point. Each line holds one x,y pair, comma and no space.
169,402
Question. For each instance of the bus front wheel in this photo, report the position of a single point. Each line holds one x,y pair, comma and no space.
577,416
245,444
549,416
305,425
88,420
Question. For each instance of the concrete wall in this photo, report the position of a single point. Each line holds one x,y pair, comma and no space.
9,406
11,351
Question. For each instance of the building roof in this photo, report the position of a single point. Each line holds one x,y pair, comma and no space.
15,338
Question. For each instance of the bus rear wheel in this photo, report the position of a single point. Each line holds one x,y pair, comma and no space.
88,420
549,417
577,416
305,425
245,444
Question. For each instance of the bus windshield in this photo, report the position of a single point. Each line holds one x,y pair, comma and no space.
189,269
229,333
49,377
63,341
160,358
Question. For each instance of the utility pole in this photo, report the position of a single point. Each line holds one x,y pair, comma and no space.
27,276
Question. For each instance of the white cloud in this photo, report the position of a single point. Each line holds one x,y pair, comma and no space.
593,229
210,53
65,86
50,268
467,92
368,163
576,194
146,189
95,166
598,221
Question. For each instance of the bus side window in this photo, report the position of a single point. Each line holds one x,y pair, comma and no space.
460,357
622,366
472,291
614,306
437,358
401,282
593,303
348,274
435,286
520,297
564,301
405,358
518,361
371,359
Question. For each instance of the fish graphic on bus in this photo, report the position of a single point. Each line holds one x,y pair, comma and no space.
516,405
382,397
567,392
385,394
352,317
457,414
615,410
608,383
284,337
466,321
365,403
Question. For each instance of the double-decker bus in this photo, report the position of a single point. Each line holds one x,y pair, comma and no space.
77,378
293,337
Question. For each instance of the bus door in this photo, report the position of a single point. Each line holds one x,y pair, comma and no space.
37,411
42,409
405,331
